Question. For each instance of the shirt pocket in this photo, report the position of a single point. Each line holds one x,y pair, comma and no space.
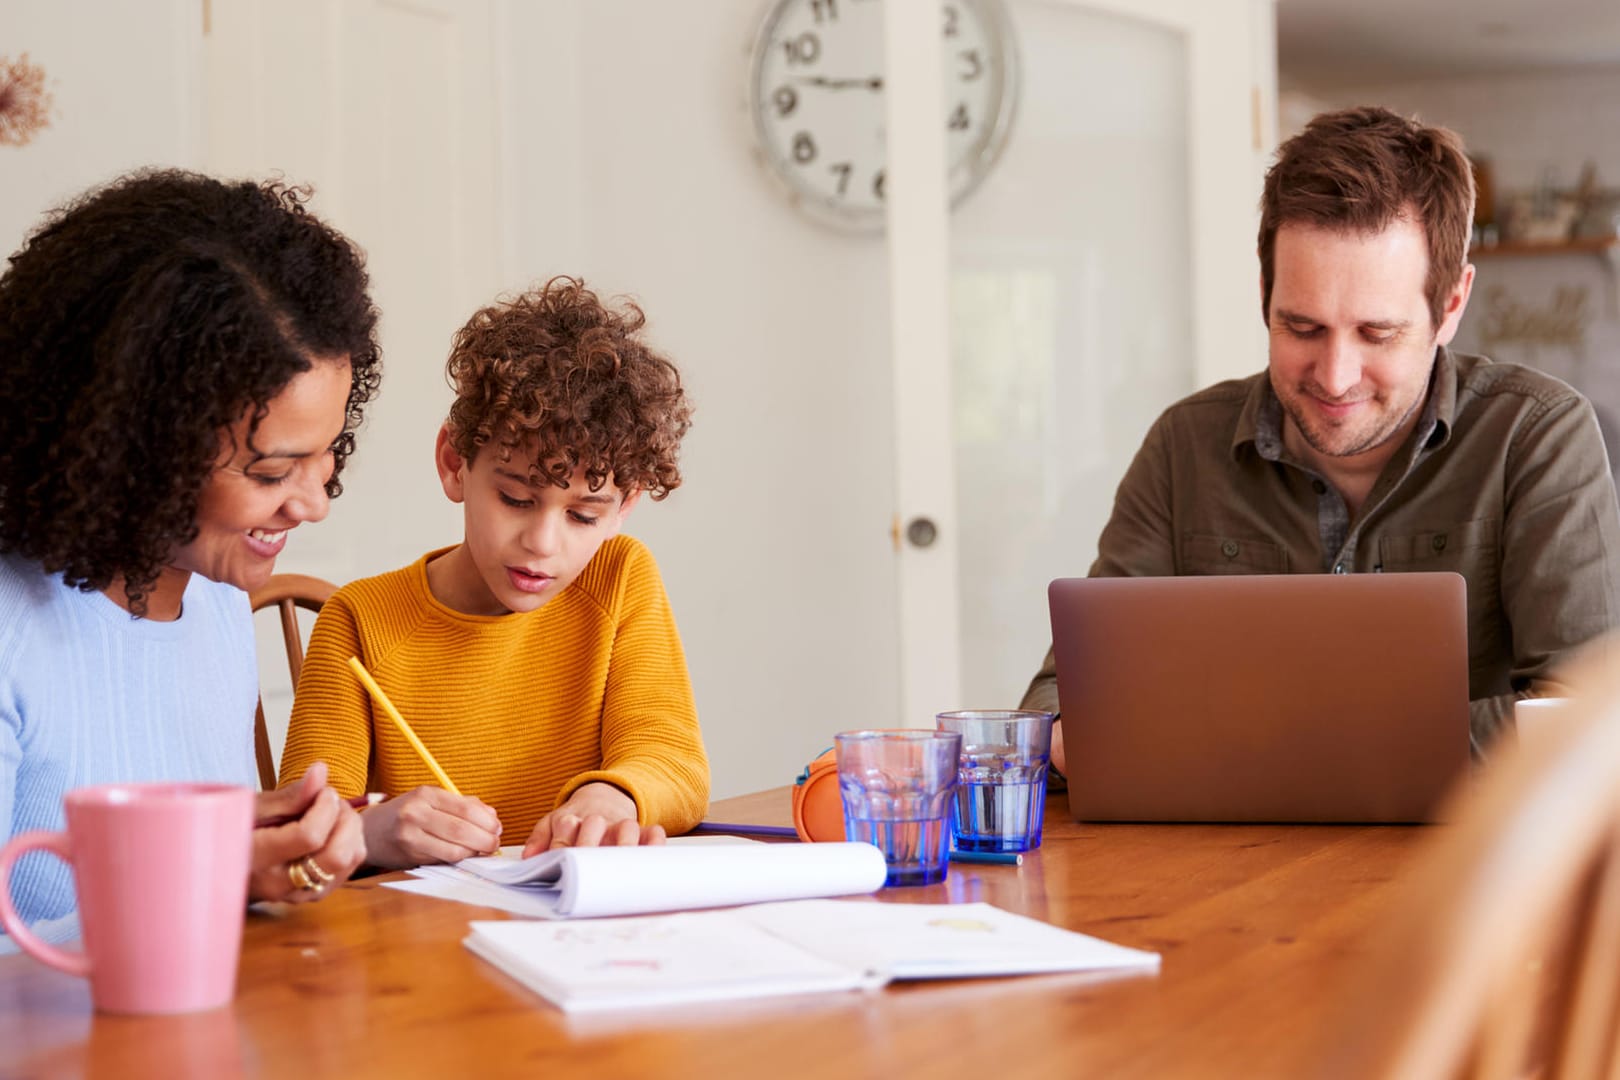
1202,553
1469,548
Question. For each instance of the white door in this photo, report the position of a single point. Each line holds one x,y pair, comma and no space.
389,110
1103,270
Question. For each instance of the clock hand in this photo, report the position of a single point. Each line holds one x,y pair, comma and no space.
873,83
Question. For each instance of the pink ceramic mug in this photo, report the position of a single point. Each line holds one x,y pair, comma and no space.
161,874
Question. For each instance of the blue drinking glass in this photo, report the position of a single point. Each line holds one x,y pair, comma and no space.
1001,782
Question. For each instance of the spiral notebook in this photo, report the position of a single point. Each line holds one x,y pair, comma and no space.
571,883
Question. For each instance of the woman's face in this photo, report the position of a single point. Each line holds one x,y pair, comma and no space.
258,492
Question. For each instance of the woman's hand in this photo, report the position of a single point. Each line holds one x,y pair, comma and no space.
595,815
305,858
429,825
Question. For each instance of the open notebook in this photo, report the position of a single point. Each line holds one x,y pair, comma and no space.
588,882
797,947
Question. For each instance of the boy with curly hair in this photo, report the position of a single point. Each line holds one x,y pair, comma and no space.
537,660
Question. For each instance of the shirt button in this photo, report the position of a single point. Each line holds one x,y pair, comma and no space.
1439,542
1338,568
1319,487
1230,549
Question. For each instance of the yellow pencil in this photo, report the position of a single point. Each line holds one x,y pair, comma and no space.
399,721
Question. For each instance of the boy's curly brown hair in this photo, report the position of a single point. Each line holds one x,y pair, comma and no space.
557,374
137,324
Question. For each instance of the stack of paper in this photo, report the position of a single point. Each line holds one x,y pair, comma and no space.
589,882
785,948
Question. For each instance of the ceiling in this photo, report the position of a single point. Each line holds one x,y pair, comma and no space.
1323,44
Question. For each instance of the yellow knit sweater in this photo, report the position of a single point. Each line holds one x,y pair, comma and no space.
518,709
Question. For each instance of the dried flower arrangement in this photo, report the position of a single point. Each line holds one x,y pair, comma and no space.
25,104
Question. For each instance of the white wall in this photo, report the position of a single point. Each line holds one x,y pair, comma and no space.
1526,123
123,78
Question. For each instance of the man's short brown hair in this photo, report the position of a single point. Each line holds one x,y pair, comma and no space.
559,374
1359,170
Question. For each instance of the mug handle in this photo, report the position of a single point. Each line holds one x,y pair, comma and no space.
74,963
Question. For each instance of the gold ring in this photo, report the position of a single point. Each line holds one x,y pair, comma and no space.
315,873
300,878
560,843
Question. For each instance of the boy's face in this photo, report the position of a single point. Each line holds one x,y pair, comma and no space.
525,543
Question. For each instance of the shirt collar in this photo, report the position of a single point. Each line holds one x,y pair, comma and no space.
1441,408
1260,421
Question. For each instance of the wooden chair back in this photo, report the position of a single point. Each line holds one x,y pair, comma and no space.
1504,961
287,593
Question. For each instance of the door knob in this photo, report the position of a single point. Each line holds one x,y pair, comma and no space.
922,532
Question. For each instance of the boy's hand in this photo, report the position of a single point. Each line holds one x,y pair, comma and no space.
596,815
429,825
325,830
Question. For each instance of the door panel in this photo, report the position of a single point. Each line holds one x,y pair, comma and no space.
1104,270
1071,319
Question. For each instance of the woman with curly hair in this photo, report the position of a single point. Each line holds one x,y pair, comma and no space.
538,659
183,363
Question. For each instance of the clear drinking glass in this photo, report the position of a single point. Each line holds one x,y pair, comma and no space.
897,788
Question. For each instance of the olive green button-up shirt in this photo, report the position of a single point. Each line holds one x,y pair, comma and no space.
1504,480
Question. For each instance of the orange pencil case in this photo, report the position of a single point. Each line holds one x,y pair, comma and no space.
818,809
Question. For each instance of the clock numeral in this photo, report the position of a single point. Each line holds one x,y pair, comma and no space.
877,185
804,148
786,99
959,118
951,17
972,66
824,10
843,169
804,49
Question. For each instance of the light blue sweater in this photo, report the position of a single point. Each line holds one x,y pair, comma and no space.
89,695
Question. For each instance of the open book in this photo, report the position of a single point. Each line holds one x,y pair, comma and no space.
784,948
587,882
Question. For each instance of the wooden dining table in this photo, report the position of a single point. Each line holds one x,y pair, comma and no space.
1258,927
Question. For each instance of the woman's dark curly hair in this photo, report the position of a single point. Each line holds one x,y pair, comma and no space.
136,325
557,374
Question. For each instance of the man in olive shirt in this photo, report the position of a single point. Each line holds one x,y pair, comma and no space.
1368,445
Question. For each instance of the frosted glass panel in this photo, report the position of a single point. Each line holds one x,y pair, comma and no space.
1071,319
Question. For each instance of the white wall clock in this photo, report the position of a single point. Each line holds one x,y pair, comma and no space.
815,95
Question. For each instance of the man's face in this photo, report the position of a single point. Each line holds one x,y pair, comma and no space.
525,543
1352,342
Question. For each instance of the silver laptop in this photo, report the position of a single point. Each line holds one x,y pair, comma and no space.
1288,697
